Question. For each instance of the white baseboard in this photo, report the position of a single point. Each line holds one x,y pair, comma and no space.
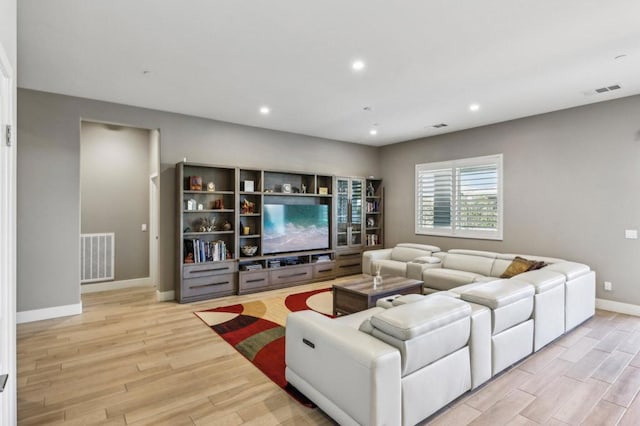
48,313
116,285
163,296
619,307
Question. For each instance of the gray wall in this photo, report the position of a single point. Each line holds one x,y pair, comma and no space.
571,188
114,196
49,178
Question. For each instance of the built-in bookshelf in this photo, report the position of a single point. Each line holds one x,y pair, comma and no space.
232,239
374,214
206,227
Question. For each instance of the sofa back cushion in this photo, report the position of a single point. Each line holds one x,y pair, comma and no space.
470,263
499,266
407,254
424,331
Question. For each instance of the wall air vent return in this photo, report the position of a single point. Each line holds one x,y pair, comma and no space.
439,125
97,257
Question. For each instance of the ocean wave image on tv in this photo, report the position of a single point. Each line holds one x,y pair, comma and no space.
293,227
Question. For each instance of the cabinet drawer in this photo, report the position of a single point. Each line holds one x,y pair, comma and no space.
324,270
206,269
225,283
348,268
253,280
290,274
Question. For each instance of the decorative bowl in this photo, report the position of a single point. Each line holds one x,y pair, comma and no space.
249,250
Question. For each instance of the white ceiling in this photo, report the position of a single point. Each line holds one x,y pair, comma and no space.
426,61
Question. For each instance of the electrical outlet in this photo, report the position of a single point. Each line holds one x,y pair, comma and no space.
608,286
144,227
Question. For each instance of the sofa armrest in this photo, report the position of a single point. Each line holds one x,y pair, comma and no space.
420,264
368,258
344,371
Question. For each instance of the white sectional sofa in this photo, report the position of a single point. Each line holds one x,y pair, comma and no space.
411,355
565,291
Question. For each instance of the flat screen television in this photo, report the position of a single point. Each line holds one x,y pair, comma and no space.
295,227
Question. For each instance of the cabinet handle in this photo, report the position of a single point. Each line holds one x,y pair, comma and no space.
209,285
257,280
292,275
325,270
350,265
209,270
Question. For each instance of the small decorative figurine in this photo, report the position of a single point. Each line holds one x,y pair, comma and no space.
370,191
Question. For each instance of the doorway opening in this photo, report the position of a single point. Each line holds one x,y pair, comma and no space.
119,206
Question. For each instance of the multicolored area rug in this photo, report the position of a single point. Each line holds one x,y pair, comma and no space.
256,330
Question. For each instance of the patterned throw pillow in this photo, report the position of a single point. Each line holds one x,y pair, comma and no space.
518,266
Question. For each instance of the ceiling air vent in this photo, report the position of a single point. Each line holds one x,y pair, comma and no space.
608,88
439,125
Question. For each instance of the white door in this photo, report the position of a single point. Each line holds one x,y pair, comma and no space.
7,246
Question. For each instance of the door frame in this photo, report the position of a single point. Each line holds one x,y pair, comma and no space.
154,229
8,202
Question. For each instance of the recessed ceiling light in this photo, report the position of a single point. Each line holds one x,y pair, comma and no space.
264,110
373,132
357,65
474,107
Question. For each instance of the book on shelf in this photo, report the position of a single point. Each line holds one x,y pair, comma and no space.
373,206
373,239
199,251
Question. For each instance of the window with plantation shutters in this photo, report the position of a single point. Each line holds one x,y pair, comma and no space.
460,198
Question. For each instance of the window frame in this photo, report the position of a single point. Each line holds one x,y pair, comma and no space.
453,165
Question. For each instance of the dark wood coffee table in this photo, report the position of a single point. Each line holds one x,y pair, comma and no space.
358,294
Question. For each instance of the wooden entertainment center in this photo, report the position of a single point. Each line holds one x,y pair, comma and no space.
234,234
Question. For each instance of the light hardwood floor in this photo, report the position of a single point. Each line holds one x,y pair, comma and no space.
130,360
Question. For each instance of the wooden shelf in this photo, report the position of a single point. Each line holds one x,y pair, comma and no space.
195,234
210,211
209,192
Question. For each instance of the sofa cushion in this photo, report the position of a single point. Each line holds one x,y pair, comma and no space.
424,331
465,262
424,247
570,269
498,293
391,267
481,253
542,279
511,256
410,320
446,279
518,266
406,254
511,302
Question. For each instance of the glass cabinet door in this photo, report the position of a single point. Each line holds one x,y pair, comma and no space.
342,212
356,212
349,212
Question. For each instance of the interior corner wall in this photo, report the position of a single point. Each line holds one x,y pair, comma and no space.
114,197
571,188
49,179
